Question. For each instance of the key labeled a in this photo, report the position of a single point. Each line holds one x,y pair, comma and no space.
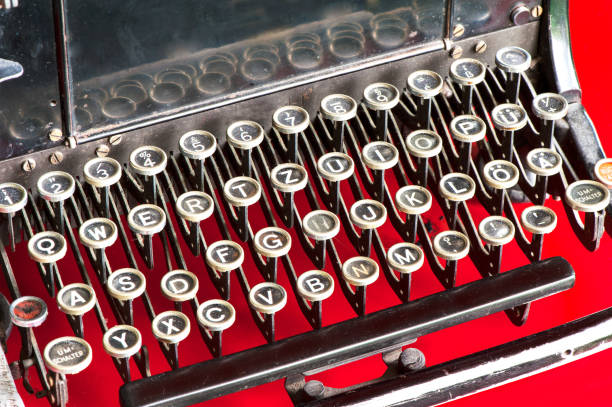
76,299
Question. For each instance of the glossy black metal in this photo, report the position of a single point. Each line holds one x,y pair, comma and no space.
316,350
489,368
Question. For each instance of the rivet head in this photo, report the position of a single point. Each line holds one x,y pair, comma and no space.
102,150
458,30
55,134
537,11
114,140
28,165
56,158
480,47
456,52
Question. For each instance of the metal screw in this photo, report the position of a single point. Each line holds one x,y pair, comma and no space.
55,134
28,165
56,158
114,140
537,11
459,30
102,150
480,47
456,52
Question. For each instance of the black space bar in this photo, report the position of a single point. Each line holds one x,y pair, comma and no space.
349,339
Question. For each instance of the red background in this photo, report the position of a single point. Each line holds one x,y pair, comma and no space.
585,382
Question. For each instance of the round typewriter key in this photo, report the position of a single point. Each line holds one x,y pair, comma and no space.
197,144
379,155
146,219
513,59
381,96
76,299
424,143
368,214
272,242
28,312
47,247
496,230
539,219
171,326
290,119
467,128
67,355
126,284
216,315
55,186
13,197
335,166
122,341
550,106
315,285
289,177
338,108
242,191
148,160
509,117
268,298
224,255
467,71
500,174
405,257
603,171
544,161
194,206
425,84
451,245
245,134
98,233
102,172
179,285
457,186
587,196
321,225
413,199
360,271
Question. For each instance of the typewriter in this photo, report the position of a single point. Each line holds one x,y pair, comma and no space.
239,202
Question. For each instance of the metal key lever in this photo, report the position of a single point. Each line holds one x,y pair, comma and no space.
314,351
489,368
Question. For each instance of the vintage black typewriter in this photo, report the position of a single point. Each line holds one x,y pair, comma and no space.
211,196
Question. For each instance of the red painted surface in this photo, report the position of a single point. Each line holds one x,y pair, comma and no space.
586,382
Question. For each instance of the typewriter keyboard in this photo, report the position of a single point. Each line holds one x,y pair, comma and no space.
181,250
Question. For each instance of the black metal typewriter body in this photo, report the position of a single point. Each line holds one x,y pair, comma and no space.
261,149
